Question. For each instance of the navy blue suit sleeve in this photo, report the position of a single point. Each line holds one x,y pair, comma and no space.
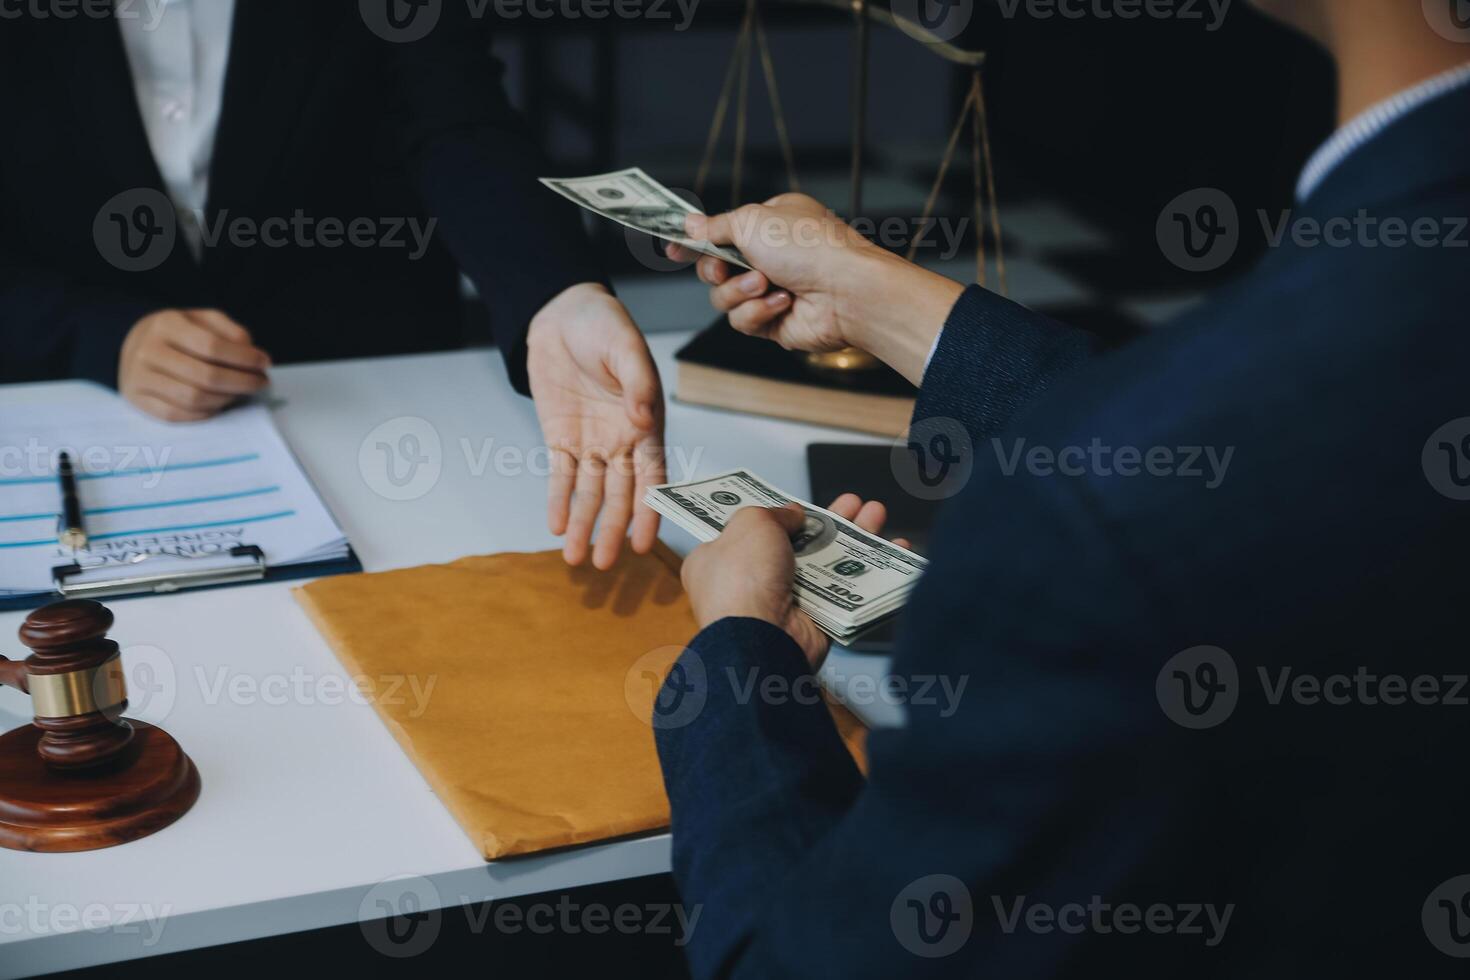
995,357
52,327
476,169
757,770
1025,767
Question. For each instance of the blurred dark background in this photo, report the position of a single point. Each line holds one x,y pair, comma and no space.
1096,123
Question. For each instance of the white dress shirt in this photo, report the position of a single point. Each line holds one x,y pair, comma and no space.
1362,128
178,58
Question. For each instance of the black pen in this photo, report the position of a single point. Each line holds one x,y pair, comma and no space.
71,533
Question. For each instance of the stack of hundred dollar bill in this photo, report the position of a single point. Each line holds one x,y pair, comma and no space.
847,580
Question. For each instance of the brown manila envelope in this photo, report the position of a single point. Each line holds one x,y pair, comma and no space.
536,730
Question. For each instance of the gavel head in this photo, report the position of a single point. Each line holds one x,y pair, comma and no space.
79,777
75,679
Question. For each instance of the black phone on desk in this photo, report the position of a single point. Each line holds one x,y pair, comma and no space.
867,470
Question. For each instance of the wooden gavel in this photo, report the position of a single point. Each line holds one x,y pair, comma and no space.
80,776
75,679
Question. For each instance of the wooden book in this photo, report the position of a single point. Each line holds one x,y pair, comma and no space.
723,368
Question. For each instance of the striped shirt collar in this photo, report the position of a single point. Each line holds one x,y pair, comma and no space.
1367,125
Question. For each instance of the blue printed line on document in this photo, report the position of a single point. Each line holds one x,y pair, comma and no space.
29,517
187,501
135,471
159,530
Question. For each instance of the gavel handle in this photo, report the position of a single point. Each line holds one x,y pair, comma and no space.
13,674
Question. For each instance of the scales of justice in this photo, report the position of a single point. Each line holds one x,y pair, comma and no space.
751,43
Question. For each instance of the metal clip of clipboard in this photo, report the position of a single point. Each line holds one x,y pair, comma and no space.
163,582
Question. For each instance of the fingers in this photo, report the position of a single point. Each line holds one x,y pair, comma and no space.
207,375
220,324
651,470
586,501
639,469
846,506
750,308
559,490
215,338
872,517
725,229
617,511
168,412
601,405
791,517
696,225
645,527
638,377
185,365
743,288
758,316
869,515
186,401
798,201
712,271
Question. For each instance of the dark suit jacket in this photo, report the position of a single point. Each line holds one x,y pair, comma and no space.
1325,828
321,118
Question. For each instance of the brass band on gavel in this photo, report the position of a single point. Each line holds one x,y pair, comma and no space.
79,692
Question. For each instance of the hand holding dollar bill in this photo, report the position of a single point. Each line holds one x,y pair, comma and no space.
847,580
634,199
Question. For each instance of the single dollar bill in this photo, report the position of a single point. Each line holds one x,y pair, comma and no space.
634,199
846,578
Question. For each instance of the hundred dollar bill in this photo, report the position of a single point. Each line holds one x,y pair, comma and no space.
632,198
846,578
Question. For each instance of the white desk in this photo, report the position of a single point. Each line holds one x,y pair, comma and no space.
308,803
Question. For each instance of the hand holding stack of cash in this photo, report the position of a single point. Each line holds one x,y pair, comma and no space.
847,580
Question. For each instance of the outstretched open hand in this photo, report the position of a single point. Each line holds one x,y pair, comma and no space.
600,403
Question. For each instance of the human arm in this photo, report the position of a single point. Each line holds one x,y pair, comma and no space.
53,326
801,868
821,286
567,341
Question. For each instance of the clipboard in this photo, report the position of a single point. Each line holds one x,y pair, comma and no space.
167,508
247,566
